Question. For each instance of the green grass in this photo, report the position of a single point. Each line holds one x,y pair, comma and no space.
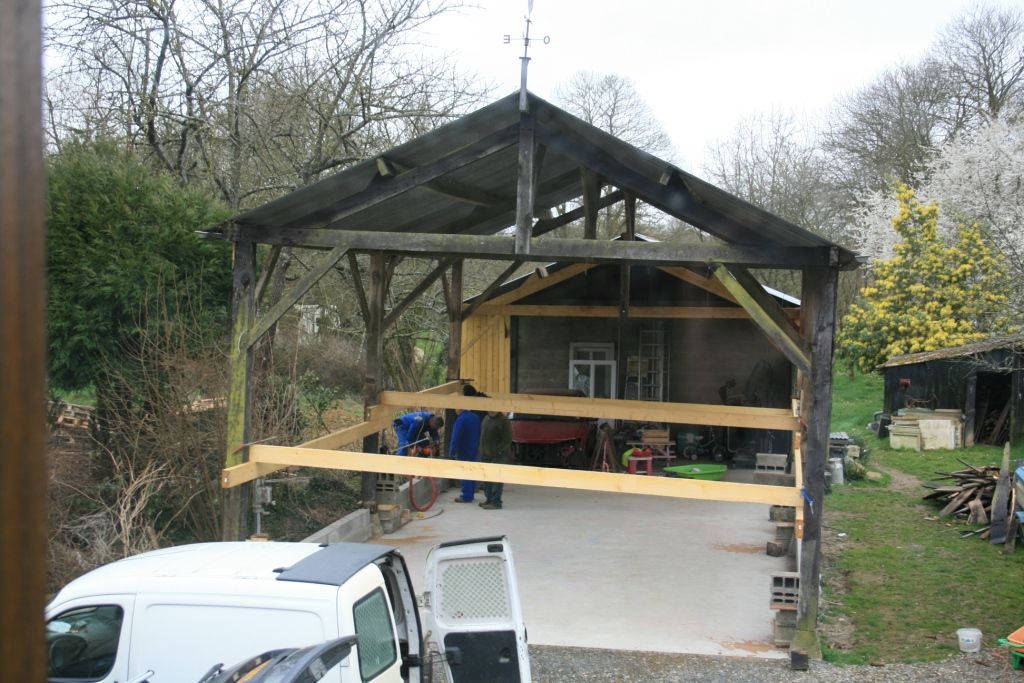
902,578
82,397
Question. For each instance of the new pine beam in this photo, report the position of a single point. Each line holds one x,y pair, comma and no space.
773,324
481,299
536,283
571,406
668,487
708,284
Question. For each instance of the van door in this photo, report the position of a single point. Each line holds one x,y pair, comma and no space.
87,639
473,613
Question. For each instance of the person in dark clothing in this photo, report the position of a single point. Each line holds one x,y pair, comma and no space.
496,447
465,445
413,427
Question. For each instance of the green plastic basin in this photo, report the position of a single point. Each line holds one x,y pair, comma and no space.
712,472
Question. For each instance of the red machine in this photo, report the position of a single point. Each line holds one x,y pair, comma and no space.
553,441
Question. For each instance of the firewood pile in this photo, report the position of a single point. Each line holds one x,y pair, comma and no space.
985,496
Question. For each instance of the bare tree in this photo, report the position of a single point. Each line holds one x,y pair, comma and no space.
611,102
982,51
888,130
251,97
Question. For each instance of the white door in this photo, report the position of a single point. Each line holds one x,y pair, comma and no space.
473,613
87,640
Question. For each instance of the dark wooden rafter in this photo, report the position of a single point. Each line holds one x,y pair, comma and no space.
567,250
630,204
545,225
293,295
268,269
818,295
766,313
590,183
525,184
668,193
429,279
471,307
442,186
357,286
377,193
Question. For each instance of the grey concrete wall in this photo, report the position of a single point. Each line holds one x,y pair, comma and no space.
354,527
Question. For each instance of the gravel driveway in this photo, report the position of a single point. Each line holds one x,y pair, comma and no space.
565,665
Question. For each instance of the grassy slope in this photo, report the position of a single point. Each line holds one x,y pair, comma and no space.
904,580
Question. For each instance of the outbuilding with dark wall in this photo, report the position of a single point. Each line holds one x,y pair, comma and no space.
983,379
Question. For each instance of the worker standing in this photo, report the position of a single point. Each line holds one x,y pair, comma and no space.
495,447
412,428
464,446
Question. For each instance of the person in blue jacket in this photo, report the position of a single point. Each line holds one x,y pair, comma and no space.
465,446
413,427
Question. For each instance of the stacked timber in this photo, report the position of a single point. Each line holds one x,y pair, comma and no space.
986,496
921,429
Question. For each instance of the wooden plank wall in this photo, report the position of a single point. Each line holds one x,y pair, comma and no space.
486,352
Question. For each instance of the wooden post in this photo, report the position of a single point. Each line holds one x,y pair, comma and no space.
23,466
235,504
819,317
525,185
373,373
629,234
591,183
453,295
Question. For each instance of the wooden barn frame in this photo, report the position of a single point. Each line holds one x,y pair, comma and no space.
452,195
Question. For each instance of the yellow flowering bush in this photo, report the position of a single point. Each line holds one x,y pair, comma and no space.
929,295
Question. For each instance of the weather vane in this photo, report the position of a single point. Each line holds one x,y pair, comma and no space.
525,59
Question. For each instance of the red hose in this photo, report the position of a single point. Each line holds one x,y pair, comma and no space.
412,495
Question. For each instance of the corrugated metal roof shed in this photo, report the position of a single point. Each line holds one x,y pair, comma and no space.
461,179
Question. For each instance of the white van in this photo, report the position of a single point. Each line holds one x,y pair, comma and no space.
170,615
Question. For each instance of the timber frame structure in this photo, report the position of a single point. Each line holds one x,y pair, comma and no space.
457,193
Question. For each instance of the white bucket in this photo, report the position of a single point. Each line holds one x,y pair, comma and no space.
970,639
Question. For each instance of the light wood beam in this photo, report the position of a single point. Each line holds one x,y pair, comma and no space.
709,284
643,411
536,283
481,299
768,316
669,487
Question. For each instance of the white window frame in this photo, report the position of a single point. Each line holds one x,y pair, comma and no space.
609,348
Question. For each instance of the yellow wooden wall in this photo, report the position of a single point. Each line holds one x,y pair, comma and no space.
486,352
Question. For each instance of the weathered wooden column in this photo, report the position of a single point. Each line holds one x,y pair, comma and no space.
818,326
373,372
235,501
525,183
23,466
453,300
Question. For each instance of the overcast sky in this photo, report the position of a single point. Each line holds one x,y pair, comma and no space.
701,65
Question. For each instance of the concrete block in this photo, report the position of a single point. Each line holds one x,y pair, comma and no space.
354,527
771,462
785,590
782,513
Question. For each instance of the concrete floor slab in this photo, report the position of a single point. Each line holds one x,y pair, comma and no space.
623,572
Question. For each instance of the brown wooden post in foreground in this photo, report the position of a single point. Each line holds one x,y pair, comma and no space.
235,503
23,470
819,321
